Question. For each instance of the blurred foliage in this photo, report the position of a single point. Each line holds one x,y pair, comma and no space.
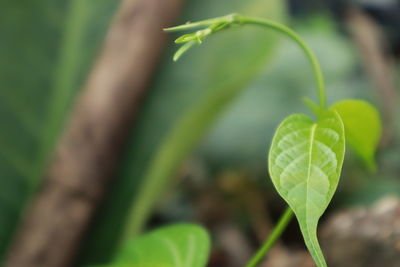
360,117
217,67
46,49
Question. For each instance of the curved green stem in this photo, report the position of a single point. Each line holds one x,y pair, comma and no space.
220,23
276,233
319,78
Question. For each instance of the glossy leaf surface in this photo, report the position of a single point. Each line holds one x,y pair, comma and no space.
305,162
363,128
173,246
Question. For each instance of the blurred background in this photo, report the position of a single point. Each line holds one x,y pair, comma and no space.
49,48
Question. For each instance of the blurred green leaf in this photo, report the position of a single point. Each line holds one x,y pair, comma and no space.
178,245
46,49
363,128
305,161
134,265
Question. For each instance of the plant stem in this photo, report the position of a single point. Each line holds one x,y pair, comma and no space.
295,37
273,237
237,19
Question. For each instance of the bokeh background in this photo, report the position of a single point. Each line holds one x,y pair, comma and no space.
48,47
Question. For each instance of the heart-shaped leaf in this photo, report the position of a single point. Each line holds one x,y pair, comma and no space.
180,245
363,128
305,162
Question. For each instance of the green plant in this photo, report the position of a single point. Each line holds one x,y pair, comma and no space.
306,155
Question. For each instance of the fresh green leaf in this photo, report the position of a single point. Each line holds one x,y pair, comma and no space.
179,245
363,128
305,162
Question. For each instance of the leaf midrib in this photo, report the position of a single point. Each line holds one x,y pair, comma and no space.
312,138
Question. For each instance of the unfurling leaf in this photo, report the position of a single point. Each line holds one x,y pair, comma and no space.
363,128
180,245
305,162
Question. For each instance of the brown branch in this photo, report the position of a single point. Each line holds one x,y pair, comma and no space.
91,143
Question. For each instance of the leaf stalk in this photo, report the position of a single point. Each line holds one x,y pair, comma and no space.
273,237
